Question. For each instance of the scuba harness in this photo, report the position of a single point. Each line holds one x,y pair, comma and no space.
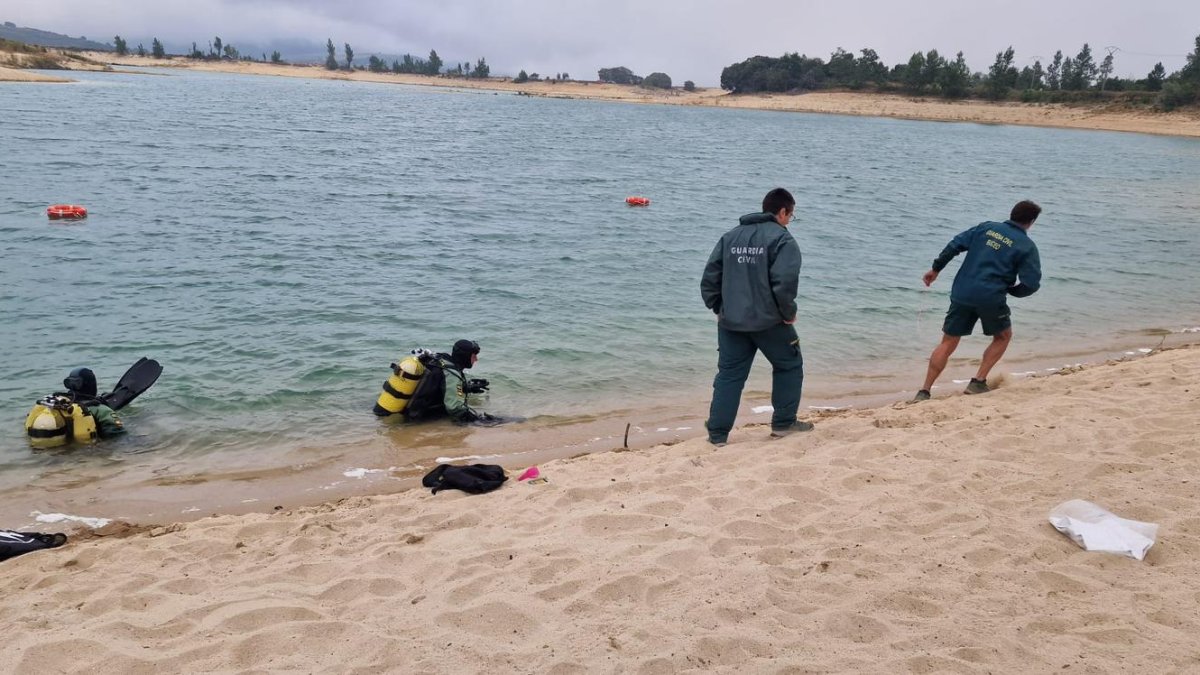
417,386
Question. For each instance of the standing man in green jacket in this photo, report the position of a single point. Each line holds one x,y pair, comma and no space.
997,255
750,283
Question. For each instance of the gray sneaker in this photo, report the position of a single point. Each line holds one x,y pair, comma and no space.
798,425
922,395
976,387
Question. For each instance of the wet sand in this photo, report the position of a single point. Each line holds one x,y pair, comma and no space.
158,490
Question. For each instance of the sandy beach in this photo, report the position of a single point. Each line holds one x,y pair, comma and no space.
909,538
17,75
1186,123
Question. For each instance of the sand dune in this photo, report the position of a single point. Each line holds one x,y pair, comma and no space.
903,539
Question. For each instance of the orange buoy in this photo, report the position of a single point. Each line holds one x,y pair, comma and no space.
66,211
637,201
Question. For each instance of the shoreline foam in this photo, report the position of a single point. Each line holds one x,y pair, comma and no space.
908,538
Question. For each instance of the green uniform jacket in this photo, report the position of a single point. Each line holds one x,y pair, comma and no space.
456,400
752,276
107,422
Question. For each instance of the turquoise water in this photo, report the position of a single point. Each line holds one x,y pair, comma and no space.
275,243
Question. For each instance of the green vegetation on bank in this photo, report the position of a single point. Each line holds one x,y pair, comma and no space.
15,54
1064,79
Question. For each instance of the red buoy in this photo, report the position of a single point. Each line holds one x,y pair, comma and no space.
637,201
66,212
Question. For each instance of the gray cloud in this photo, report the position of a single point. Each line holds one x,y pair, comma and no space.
688,39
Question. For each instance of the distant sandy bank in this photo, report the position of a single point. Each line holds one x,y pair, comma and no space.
15,75
834,103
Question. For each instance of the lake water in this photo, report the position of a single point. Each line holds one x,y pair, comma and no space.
276,242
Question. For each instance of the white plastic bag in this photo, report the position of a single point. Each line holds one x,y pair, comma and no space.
1096,529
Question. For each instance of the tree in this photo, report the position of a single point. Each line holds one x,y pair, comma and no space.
1037,75
122,48
156,48
619,75
913,73
790,72
376,64
841,69
1002,76
868,68
566,76
955,78
657,80
481,69
231,53
1054,70
141,50
521,77
1106,68
196,53
331,55
1068,74
934,64
1191,71
688,85
349,57
216,46
276,57
1084,71
1154,79
434,65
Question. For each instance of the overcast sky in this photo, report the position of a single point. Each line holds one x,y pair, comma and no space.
687,39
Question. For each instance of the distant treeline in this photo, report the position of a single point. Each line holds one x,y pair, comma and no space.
1065,78
221,50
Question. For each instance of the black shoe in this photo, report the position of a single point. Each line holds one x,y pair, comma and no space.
922,395
798,425
976,387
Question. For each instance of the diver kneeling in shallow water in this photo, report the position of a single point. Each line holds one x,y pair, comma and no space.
428,386
80,414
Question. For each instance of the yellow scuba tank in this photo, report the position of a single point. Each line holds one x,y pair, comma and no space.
46,426
56,420
83,425
399,387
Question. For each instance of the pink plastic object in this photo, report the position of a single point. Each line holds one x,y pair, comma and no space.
531,472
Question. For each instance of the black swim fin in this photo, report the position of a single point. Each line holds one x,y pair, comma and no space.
140,377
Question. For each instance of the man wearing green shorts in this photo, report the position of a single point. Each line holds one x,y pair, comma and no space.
998,254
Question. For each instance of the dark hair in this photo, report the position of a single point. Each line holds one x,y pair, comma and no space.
778,199
1025,212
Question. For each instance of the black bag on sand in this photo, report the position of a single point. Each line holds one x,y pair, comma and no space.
13,544
476,478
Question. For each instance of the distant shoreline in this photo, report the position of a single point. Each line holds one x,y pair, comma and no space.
1096,118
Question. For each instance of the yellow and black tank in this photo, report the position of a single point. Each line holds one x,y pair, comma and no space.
399,387
57,420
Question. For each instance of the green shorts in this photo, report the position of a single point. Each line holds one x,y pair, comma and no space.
960,319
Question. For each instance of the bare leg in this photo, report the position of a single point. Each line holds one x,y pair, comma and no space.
939,358
991,355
